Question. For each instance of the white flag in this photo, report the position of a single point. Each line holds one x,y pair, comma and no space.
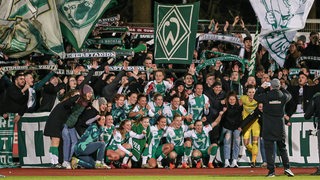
30,26
280,20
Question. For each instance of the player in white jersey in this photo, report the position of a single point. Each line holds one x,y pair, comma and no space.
175,136
175,108
201,144
198,105
120,141
156,108
155,150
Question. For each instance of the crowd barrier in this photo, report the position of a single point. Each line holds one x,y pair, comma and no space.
33,146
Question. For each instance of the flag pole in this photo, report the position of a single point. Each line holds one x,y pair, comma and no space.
252,62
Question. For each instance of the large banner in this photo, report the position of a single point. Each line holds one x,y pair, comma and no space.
33,145
6,141
78,18
175,32
30,26
280,20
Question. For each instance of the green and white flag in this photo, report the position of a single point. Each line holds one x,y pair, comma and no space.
280,20
78,18
30,26
175,32
33,145
138,145
6,141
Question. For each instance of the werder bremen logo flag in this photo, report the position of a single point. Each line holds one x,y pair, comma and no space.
29,26
280,20
78,17
175,32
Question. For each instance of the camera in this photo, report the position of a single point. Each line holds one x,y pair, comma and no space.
312,132
267,84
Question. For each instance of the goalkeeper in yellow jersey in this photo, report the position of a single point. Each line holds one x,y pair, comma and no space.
249,105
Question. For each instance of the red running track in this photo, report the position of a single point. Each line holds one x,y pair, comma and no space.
150,172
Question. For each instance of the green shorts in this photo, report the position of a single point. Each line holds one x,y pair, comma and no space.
156,152
179,150
204,152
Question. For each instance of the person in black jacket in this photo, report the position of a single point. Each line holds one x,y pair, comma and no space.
301,95
314,110
230,122
274,103
94,109
16,97
54,125
49,94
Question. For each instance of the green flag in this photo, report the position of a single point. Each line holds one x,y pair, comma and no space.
33,145
77,18
6,141
138,145
30,26
175,32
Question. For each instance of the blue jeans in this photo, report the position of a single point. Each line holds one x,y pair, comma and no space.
231,136
70,138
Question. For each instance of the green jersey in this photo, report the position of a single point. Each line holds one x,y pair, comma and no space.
196,107
107,134
92,134
200,141
176,136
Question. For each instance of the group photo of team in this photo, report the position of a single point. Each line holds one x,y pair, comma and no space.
164,97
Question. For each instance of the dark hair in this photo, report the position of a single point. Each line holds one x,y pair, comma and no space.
232,93
175,96
159,118
131,92
18,74
141,96
109,76
198,83
196,122
313,33
217,83
250,86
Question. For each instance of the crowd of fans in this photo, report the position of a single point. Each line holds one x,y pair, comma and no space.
180,116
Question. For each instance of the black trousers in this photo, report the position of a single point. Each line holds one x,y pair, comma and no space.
319,143
269,148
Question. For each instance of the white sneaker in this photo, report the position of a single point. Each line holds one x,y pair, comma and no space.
226,164
264,165
234,164
288,172
66,164
145,166
159,164
106,166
